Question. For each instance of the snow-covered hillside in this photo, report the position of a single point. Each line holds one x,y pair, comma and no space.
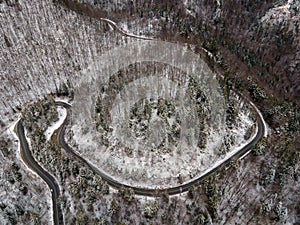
46,47
43,45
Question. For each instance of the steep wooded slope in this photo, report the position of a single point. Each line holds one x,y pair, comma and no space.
43,45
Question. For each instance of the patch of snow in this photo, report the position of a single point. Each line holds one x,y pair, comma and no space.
12,127
266,128
190,12
64,100
62,114
279,14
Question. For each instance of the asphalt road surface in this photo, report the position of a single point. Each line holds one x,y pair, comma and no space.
49,179
51,182
154,192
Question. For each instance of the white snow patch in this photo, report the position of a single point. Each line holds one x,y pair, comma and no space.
62,114
278,14
64,100
12,127
262,118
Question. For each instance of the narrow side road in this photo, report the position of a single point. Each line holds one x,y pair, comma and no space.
123,32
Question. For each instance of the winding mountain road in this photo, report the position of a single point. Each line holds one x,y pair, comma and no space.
154,192
48,178
51,182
